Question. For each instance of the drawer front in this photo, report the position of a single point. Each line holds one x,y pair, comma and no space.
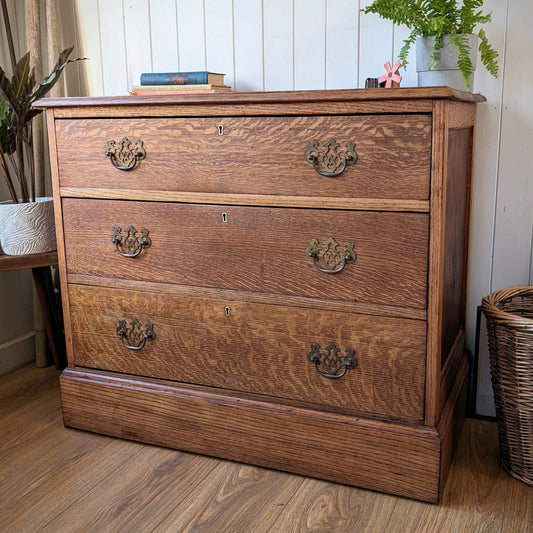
256,348
253,155
368,257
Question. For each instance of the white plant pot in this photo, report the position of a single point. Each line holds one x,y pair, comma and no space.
446,72
27,228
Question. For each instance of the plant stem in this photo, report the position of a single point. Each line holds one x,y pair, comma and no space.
20,153
22,182
15,168
7,176
31,159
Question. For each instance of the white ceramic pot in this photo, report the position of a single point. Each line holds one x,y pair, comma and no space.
27,228
446,72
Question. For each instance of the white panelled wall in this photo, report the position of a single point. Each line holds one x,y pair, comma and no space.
266,45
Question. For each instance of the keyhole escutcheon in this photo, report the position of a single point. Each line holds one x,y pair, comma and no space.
220,129
224,217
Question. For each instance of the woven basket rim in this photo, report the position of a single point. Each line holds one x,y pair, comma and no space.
490,307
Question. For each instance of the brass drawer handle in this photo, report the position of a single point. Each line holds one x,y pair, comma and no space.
134,336
335,364
123,155
131,244
330,162
330,257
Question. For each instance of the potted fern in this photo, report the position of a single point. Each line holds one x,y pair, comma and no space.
446,38
26,222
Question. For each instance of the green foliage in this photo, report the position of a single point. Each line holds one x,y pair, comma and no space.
21,90
489,56
463,57
17,95
7,131
438,18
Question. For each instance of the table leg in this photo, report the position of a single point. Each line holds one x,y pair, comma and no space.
51,316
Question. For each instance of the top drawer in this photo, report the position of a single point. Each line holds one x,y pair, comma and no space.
254,155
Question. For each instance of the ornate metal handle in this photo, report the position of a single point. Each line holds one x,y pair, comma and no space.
335,365
330,257
131,244
123,155
329,162
134,337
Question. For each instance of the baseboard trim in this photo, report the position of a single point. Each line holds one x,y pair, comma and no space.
17,352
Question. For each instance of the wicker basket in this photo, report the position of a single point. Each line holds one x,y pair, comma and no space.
509,316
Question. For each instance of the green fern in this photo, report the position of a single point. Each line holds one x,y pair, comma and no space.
463,59
438,18
489,56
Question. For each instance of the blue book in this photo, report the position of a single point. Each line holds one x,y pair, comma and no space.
182,78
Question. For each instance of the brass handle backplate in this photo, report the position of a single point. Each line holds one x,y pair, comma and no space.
132,243
330,162
123,155
134,336
330,257
330,363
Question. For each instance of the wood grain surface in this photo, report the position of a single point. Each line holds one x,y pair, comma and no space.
456,236
436,260
264,200
257,348
52,474
16,262
385,456
401,97
254,155
257,249
235,294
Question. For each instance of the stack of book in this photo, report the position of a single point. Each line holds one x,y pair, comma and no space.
180,82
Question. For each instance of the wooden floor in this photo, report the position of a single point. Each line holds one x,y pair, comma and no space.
57,479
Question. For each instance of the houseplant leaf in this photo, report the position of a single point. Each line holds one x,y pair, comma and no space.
16,97
46,85
21,84
7,132
5,87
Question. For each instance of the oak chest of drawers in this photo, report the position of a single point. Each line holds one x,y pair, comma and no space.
272,278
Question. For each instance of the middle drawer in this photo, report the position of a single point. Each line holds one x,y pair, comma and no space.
368,257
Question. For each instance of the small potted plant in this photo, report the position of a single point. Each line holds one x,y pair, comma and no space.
18,235
446,38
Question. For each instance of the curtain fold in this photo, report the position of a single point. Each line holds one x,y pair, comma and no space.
36,27
54,42
42,29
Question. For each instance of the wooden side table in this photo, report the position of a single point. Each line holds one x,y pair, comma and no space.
39,264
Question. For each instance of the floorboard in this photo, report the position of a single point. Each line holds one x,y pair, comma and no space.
57,479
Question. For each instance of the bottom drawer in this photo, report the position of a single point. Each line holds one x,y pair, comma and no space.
267,349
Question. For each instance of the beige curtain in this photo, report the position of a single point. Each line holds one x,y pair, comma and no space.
50,35
42,29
